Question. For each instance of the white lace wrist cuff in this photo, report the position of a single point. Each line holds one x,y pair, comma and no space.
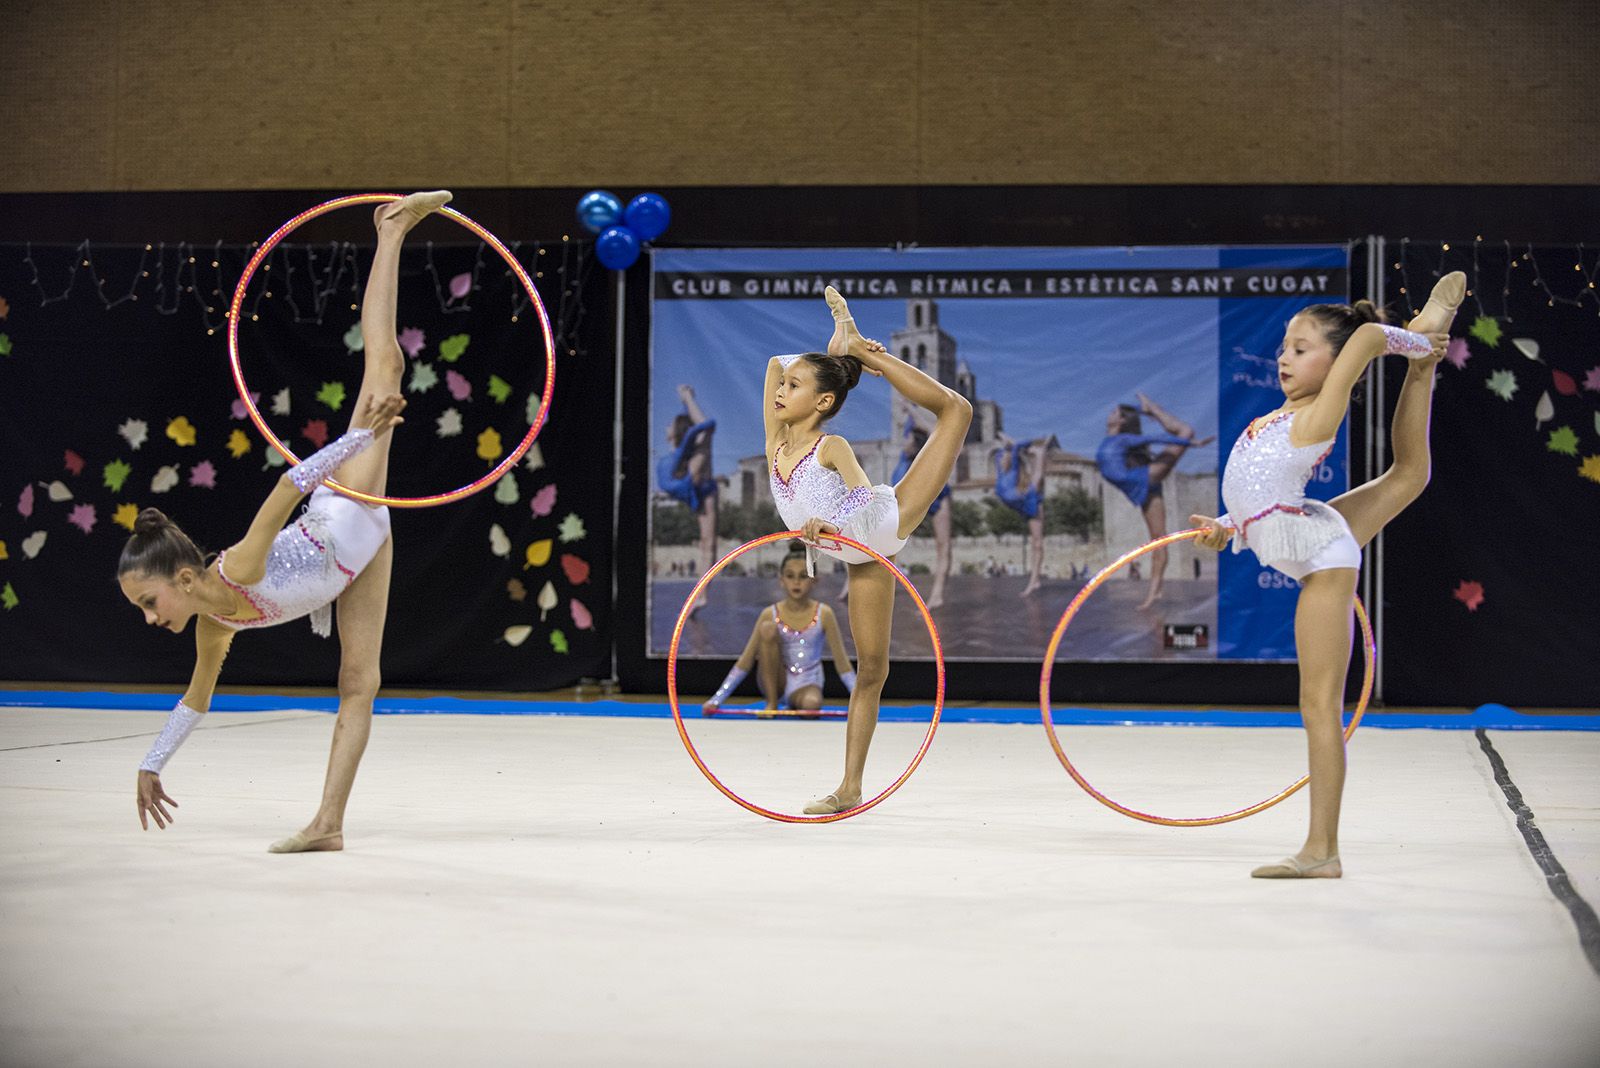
179,724
310,472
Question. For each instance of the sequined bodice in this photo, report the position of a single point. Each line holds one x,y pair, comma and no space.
802,649
1265,473
302,576
813,492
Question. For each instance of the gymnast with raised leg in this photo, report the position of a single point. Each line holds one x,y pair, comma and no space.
684,473
1326,349
1017,466
1125,461
785,646
339,551
820,489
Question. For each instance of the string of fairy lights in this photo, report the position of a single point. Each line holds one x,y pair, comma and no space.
311,280
1516,268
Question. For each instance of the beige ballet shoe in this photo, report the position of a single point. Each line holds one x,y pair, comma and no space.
845,333
827,806
1440,311
1295,868
412,209
299,842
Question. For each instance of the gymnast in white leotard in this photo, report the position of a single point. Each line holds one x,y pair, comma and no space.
1326,349
786,645
820,489
337,551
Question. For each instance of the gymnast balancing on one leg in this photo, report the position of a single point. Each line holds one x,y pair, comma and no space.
339,550
1326,348
1015,466
786,645
684,473
1125,461
820,489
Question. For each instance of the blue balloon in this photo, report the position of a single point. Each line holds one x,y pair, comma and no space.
647,215
598,209
617,247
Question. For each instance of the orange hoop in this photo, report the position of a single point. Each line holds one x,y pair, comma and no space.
1368,649
677,715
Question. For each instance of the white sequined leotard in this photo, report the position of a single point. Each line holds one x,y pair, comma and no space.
802,652
869,515
311,562
1263,488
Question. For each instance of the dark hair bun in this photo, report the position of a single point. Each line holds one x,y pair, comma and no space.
150,521
1368,312
852,371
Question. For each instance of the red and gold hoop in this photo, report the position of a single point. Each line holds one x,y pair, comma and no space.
493,242
1368,649
677,715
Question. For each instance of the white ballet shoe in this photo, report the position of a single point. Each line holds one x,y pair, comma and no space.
300,842
1295,868
827,806
412,209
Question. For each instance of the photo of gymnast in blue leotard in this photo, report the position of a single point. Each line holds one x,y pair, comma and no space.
684,473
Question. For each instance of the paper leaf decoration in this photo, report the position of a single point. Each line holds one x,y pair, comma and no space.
558,641
1544,411
499,544
1487,330
316,432
576,567
1591,379
458,385
181,431
332,394
571,529
204,475
5,554
1563,440
273,458
115,474
136,432
82,516
505,490
533,459
353,339
125,515
581,617
461,285
58,492
489,447
238,443
1469,594
280,402
33,543
515,636
452,347
1502,384
1528,347
516,590
423,378
25,501
499,389
1457,353
239,411
533,407
449,423
5,344
5,308
8,597
1590,469
72,462
538,554
547,600
544,502
411,341
165,479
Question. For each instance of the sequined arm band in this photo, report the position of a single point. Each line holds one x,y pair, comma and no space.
1226,523
179,724
785,361
729,684
1406,343
310,472
849,680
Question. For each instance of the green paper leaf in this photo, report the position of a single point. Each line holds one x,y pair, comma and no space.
1502,384
571,528
423,378
558,640
1486,329
5,346
451,348
499,389
1563,440
332,394
353,339
115,474
8,597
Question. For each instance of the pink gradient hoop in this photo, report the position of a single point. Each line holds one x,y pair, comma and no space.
1368,649
493,242
677,716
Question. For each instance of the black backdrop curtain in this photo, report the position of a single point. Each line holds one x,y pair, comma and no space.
115,394
1491,586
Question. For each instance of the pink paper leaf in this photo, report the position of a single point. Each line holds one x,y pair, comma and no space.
461,285
203,474
581,618
25,501
458,385
544,501
82,517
